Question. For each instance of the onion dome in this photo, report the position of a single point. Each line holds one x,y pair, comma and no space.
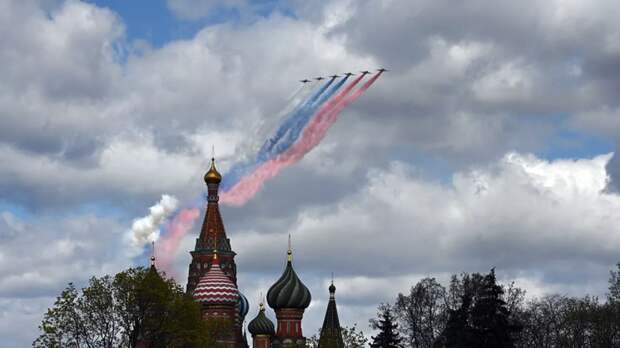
213,176
289,291
216,287
261,325
244,306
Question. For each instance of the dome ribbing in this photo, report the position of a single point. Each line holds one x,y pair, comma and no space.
261,325
289,291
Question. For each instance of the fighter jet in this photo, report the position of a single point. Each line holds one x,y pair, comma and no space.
319,78
304,81
349,74
334,76
365,72
382,70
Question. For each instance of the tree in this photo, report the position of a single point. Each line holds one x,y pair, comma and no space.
613,302
352,337
478,313
423,313
388,336
490,317
614,285
137,306
458,332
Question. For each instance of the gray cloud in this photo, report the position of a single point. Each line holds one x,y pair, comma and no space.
114,126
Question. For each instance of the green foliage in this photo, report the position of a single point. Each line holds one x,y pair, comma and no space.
136,306
614,285
388,336
483,318
422,313
353,338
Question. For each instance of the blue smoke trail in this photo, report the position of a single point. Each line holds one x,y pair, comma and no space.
285,135
266,149
241,168
299,122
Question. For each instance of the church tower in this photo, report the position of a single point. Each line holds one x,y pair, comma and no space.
212,237
331,336
289,298
212,276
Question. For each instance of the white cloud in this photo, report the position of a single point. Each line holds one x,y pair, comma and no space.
80,126
522,215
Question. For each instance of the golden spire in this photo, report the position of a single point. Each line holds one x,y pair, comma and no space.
213,176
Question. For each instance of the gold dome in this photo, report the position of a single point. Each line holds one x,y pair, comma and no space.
213,176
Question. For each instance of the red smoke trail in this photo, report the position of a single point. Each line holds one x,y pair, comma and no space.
318,126
167,245
314,132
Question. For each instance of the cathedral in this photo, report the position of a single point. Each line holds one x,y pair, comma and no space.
212,281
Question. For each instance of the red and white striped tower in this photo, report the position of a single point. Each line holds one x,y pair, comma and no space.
219,298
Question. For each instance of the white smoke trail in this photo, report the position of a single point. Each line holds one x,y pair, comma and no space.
146,229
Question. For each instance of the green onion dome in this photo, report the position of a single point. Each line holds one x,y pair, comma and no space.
288,291
261,325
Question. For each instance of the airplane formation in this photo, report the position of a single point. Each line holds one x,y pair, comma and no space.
345,74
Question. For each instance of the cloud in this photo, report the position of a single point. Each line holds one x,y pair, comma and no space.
526,216
414,180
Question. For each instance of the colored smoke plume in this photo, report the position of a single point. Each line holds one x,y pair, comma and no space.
283,136
176,230
316,130
146,229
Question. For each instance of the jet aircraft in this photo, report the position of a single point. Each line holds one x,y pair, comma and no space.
304,81
382,70
365,72
349,74
319,78
334,76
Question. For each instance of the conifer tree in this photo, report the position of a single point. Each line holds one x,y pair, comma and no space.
388,336
490,317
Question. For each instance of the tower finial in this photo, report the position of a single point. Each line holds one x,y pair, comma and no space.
332,288
215,258
213,176
153,253
290,249
212,151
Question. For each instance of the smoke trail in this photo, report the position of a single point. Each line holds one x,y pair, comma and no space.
146,229
300,122
318,127
316,130
241,168
295,102
176,229
296,120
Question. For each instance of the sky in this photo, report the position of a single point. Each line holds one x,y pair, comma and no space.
490,143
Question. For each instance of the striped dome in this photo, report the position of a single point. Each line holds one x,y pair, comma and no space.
261,325
244,306
216,287
288,291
